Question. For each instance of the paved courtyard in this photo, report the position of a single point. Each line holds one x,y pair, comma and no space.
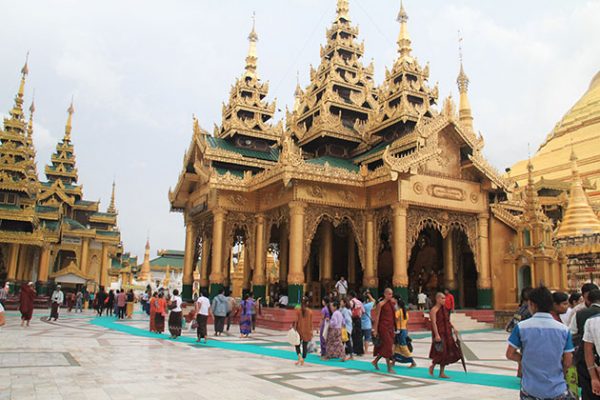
83,357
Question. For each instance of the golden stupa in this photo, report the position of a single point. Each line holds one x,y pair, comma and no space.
578,130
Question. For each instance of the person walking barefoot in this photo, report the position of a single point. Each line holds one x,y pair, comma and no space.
444,349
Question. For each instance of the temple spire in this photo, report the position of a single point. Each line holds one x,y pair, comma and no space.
112,209
579,218
403,38
17,111
297,92
30,122
69,124
464,109
343,10
252,58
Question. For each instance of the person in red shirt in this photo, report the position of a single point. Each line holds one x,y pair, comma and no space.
449,303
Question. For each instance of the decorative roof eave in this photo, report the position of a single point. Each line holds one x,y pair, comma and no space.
71,269
26,215
403,143
35,238
230,157
103,219
490,172
505,216
87,232
409,163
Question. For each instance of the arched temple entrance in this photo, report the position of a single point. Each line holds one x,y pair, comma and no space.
437,263
523,278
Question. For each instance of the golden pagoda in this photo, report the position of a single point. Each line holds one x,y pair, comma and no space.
578,234
145,273
578,130
373,183
48,232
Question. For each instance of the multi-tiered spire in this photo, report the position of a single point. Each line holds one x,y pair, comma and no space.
465,116
340,96
17,163
404,96
63,160
112,209
579,218
247,115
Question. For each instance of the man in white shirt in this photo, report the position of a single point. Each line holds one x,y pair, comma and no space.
57,299
421,300
284,301
202,313
342,287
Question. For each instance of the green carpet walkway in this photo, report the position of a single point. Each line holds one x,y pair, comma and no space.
471,378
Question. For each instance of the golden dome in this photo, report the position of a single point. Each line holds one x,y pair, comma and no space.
578,130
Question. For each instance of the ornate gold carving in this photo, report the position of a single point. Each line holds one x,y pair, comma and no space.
348,196
418,187
446,192
474,197
443,221
316,191
237,199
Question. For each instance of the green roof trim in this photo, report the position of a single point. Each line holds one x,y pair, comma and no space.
45,209
10,207
334,162
164,261
271,155
73,224
85,202
51,225
102,214
108,233
68,186
363,156
223,171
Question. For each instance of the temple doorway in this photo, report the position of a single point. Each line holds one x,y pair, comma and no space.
425,267
333,254
466,271
385,260
523,278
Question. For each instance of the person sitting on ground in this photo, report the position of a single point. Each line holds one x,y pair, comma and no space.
543,347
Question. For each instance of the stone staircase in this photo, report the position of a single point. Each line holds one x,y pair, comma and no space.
463,321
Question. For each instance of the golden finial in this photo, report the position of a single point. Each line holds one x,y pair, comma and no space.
464,109
69,125
403,38
252,58
343,10
20,93
30,123
111,207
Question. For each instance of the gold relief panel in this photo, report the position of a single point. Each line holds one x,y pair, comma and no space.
273,197
445,192
383,194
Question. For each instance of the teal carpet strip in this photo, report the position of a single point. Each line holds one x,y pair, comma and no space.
471,378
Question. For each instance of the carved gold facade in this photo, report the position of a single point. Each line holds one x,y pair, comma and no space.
371,183
48,232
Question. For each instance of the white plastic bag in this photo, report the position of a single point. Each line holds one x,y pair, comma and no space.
293,337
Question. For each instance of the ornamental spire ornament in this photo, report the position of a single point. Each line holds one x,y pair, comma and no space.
112,209
343,10
69,124
465,114
403,37
252,58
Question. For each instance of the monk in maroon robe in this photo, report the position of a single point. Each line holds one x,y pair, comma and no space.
26,298
384,325
444,349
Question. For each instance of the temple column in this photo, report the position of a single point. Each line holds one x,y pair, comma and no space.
206,246
449,277
400,277
296,267
246,284
85,251
284,246
327,254
370,280
259,276
216,270
351,260
484,281
104,266
13,257
188,261
564,286
43,270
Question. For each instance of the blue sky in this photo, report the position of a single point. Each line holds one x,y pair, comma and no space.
139,69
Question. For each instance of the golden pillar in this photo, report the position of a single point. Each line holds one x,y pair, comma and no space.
449,280
564,285
258,278
283,254
400,257
104,266
327,253
351,259
296,267
206,245
216,273
44,264
370,278
188,261
85,251
247,269
484,281
13,258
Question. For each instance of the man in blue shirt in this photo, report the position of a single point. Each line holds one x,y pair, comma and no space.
544,348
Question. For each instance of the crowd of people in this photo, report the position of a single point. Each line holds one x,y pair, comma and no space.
554,337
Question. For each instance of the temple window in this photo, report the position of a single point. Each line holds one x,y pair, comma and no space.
526,238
